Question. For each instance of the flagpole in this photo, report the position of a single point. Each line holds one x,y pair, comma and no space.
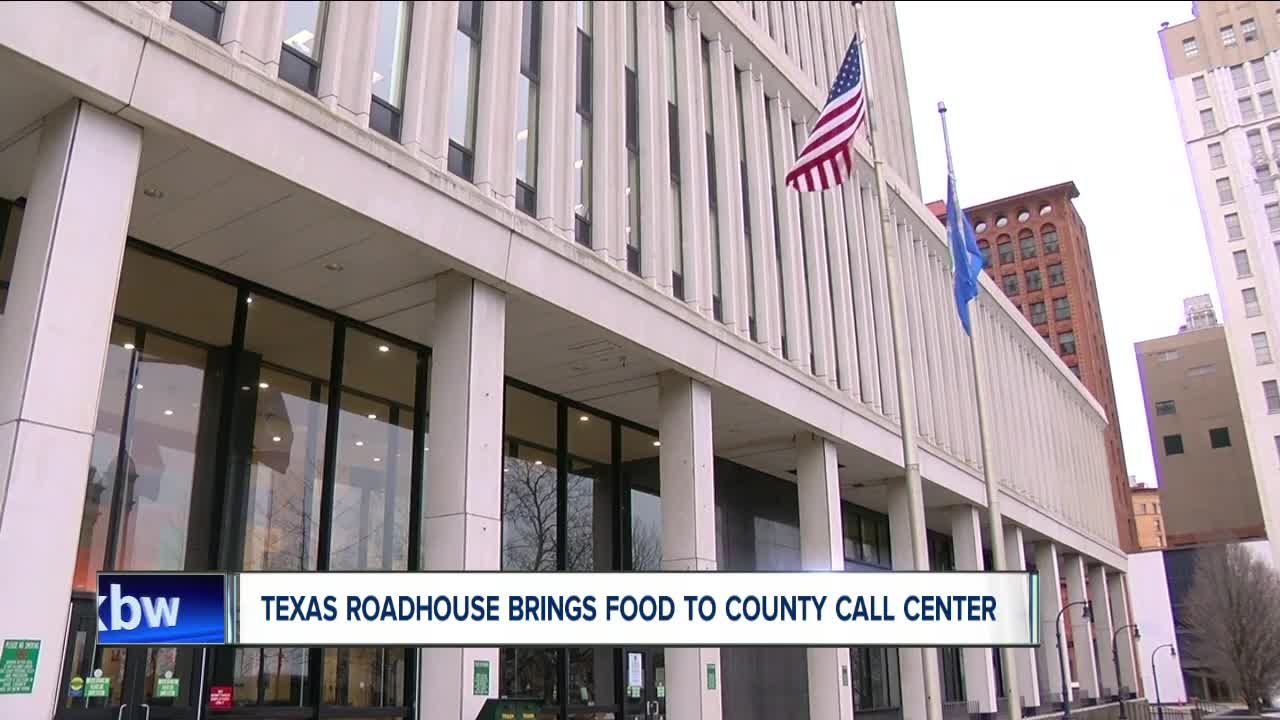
906,398
994,519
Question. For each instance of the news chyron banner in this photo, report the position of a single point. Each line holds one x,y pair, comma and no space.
488,609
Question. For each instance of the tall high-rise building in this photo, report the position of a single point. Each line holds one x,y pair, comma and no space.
502,287
1036,248
1224,72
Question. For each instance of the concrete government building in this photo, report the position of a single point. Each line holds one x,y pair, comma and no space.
326,286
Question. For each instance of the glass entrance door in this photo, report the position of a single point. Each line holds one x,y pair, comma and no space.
645,673
112,683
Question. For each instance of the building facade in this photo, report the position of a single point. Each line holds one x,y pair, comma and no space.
1037,251
1146,514
1207,488
325,286
1221,64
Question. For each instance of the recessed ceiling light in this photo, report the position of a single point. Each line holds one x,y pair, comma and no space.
426,449
377,459
139,386
383,348
168,412
537,462
249,300
129,346
334,267
373,416
359,443
583,418
245,388
275,438
657,443
264,385
154,193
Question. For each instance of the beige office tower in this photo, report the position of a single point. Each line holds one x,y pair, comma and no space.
1225,75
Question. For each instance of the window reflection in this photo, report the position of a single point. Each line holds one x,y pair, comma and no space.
529,673
302,27
286,379
374,456
589,511
391,51
529,483
640,473
270,676
160,460
364,677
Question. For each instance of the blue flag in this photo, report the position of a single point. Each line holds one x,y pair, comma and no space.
966,258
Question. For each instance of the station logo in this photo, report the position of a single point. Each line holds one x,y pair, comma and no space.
159,609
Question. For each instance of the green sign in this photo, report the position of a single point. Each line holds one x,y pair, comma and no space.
662,691
97,686
167,686
711,676
633,691
480,678
18,666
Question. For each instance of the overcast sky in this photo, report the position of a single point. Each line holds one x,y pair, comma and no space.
1042,93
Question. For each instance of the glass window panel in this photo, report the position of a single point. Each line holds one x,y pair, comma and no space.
10,224
160,462
582,168
591,678
288,351
466,75
640,473
374,462
304,27
364,677
529,673
149,285
529,483
527,131
391,51
589,513
270,676
102,460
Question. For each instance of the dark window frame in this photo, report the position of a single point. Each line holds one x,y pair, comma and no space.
196,14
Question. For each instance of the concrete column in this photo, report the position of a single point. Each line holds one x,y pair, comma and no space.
426,113
729,210
1103,630
1118,595
1081,629
822,548
796,306
346,76
655,178
53,346
814,258
462,516
979,672
696,221
846,353
915,664
1052,657
496,102
759,187
865,338
557,117
687,483
252,33
608,132
1015,555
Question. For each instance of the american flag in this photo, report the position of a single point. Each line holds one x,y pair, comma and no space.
825,160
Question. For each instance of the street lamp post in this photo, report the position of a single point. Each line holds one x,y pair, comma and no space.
1156,678
1062,664
1115,658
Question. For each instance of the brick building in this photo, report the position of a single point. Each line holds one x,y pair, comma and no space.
1037,250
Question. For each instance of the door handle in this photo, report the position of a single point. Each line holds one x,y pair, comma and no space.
120,713
148,708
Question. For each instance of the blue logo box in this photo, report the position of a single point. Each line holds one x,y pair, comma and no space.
162,609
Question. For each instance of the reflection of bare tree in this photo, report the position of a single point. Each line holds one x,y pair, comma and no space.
528,515
646,545
580,524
